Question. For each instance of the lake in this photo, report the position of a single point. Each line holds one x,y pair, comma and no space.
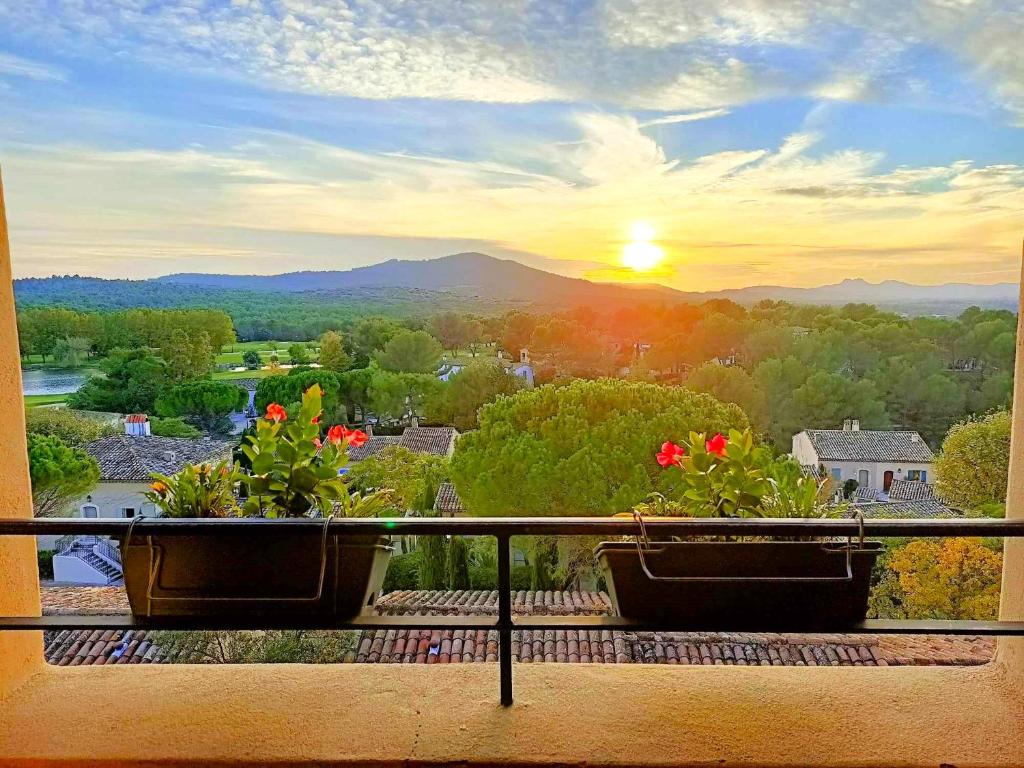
51,381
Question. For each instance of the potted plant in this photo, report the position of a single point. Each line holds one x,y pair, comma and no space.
244,573
748,584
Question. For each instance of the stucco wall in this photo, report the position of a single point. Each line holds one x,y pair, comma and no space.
20,652
876,470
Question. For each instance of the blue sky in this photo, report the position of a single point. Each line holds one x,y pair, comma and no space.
761,141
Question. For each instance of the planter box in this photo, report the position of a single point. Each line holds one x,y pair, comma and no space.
243,574
740,586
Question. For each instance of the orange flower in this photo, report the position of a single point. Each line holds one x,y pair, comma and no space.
670,454
276,413
357,437
159,488
716,445
336,434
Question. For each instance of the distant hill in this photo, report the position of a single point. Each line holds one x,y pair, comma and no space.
476,280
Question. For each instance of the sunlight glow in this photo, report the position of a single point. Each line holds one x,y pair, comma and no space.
642,255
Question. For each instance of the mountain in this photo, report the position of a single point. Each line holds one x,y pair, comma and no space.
477,280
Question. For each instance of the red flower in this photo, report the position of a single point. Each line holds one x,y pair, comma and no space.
317,443
336,434
716,445
356,438
670,454
276,413
316,419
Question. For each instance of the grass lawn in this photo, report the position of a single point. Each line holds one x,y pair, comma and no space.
257,374
232,353
33,401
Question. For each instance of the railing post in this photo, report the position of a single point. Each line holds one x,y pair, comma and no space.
505,618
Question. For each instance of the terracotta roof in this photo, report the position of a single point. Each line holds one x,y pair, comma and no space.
448,501
869,445
248,383
439,441
441,646
911,490
903,508
124,458
78,647
371,447
136,418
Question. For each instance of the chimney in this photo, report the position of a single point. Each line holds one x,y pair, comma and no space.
368,429
915,438
847,425
415,421
524,356
855,425
136,425
169,456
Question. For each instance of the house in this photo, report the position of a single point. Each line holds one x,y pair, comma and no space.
524,368
872,458
447,502
439,441
126,465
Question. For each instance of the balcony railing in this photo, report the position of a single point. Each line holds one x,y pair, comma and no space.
503,529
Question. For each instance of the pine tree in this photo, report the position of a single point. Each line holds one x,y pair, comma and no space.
432,562
458,564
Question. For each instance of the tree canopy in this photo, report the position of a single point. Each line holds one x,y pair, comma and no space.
204,403
586,448
133,380
469,390
973,466
59,474
410,352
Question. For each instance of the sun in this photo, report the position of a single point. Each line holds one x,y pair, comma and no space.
642,255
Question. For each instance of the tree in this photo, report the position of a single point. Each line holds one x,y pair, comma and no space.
469,390
433,562
133,380
172,427
332,353
412,477
731,384
298,354
201,357
410,352
59,474
401,396
585,448
825,400
371,334
72,352
517,332
285,390
251,359
71,427
355,391
946,579
973,466
457,567
177,353
203,403
453,329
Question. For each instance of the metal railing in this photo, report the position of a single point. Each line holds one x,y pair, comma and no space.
503,529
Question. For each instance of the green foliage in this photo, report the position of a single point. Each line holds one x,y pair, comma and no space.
291,474
433,552
483,563
403,572
59,474
731,384
973,467
586,448
292,646
196,491
332,353
298,354
401,396
74,429
733,484
45,560
410,352
187,357
133,380
204,403
457,565
412,477
251,359
468,391
371,334
72,352
172,427
289,389
454,329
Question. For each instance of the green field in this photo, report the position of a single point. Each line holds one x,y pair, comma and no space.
33,401
232,353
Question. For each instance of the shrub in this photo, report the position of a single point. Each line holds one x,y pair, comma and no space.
46,565
403,572
172,427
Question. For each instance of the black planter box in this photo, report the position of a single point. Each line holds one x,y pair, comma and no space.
244,574
740,586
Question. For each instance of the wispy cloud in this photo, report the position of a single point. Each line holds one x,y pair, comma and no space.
16,66
687,117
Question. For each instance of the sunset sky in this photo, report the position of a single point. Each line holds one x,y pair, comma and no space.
713,144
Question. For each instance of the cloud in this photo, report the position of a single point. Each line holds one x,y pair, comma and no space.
16,66
646,54
687,117
265,201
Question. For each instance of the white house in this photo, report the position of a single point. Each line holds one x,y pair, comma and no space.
126,464
873,458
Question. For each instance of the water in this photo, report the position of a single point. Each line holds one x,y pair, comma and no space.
49,381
